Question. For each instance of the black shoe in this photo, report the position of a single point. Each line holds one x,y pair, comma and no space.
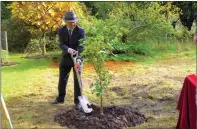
56,102
78,106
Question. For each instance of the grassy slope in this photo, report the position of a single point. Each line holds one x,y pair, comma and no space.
29,87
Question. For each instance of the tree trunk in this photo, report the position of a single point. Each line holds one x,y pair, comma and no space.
44,45
167,11
101,110
196,27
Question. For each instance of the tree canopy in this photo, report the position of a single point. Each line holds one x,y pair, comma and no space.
44,15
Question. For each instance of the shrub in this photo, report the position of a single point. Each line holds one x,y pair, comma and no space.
17,34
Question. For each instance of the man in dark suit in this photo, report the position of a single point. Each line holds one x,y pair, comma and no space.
69,42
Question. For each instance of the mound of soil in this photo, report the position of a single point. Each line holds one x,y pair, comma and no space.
115,117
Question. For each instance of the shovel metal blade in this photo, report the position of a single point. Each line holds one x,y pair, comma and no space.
83,100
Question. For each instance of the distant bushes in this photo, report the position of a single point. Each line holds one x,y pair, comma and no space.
17,34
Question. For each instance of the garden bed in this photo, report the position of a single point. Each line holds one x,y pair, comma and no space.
115,117
8,63
36,57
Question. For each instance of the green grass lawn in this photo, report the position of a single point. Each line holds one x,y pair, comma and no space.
30,86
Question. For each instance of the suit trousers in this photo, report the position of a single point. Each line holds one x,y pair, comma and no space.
64,72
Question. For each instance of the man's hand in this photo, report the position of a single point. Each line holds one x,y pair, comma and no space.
72,51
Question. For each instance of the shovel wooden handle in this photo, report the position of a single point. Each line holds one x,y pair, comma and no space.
77,73
6,111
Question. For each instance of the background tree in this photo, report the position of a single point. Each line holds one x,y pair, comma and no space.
188,12
100,9
132,26
44,16
5,12
18,35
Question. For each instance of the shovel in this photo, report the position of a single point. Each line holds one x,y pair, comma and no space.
6,111
83,100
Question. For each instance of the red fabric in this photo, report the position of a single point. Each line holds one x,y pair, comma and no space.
187,105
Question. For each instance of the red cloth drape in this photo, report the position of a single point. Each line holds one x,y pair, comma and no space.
187,104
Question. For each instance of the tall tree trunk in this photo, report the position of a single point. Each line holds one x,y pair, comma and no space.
167,10
44,44
196,27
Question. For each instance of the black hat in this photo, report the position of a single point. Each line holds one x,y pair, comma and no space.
70,17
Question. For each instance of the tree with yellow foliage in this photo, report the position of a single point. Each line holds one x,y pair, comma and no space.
44,16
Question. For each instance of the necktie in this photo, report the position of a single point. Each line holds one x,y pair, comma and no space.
70,33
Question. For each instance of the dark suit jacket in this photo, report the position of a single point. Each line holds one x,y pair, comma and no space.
66,42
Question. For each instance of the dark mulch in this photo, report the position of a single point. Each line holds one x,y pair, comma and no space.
115,117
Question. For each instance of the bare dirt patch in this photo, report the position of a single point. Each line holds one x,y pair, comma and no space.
110,65
36,57
8,63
